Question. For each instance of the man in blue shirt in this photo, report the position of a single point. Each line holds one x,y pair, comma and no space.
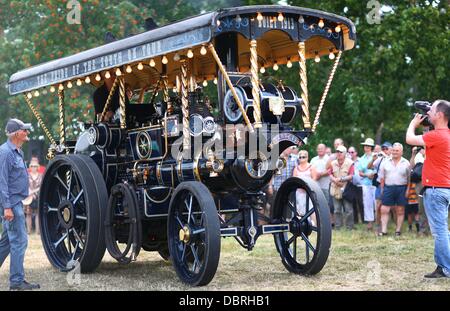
13,189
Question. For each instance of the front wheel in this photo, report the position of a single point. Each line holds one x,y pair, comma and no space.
301,203
193,233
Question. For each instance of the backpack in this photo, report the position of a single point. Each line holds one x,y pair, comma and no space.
416,173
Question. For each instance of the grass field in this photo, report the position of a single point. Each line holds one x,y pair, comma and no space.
358,261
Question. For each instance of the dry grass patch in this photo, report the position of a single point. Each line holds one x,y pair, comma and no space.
358,261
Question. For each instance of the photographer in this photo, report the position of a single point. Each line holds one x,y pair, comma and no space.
436,179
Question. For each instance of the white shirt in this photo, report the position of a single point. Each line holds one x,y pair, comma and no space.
395,175
320,164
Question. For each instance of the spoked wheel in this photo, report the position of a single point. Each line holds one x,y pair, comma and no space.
301,204
193,233
72,202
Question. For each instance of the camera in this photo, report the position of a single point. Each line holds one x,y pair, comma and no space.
424,107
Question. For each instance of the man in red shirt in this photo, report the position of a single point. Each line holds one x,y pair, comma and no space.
436,180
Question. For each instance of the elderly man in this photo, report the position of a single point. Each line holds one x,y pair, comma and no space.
342,173
394,174
13,189
319,163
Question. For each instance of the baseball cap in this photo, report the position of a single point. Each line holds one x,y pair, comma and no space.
15,125
386,144
341,148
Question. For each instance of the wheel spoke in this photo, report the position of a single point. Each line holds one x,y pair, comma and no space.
70,242
293,208
69,182
78,196
51,209
196,261
190,208
308,243
307,253
307,203
198,231
291,240
179,221
305,217
295,249
56,244
75,251
81,217
184,251
61,181
77,237
314,228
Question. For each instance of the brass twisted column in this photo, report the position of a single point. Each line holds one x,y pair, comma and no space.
62,125
123,122
108,100
255,84
185,104
50,154
166,97
304,85
325,92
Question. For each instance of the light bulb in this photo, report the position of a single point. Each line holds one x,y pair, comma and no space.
280,17
176,57
152,63
139,67
165,60
330,31
44,92
205,83
338,28
29,95
301,20
118,72
259,17
238,19
203,50
331,56
61,87
317,58
130,70
215,81
218,23
52,89
107,75
275,66
69,85
36,93
97,77
87,80
262,70
79,82
321,23
190,54
289,63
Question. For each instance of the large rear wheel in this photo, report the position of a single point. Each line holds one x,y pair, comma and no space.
72,202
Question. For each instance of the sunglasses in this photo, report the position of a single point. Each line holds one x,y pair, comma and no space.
303,157
350,151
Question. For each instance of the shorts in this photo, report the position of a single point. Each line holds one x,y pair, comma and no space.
412,209
394,196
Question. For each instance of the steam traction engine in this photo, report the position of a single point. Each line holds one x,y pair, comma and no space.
178,178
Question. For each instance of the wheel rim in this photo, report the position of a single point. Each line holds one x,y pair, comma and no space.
189,235
64,216
303,235
304,249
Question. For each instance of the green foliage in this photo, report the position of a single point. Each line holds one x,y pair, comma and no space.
402,59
